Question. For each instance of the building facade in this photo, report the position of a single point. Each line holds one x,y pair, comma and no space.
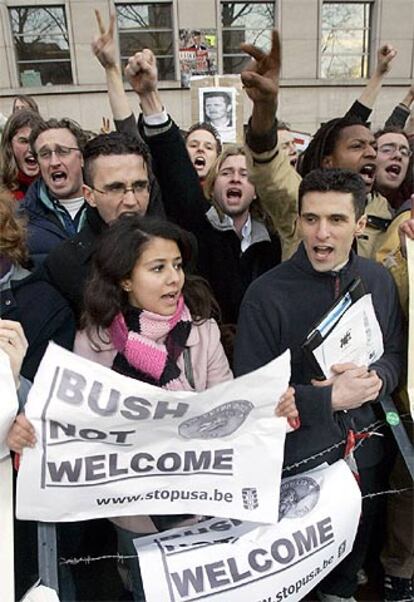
329,51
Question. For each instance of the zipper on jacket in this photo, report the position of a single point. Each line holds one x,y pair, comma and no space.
337,286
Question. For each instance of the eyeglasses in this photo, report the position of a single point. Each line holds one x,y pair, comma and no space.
117,191
392,147
44,154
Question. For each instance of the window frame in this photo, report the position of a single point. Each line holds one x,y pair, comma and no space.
370,45
174,32
221,29
16,74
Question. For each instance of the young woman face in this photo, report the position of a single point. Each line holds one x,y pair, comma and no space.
157,278
23,154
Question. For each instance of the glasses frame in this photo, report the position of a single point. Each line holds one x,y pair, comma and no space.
58,151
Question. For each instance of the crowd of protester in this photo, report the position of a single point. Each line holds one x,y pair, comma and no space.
223,256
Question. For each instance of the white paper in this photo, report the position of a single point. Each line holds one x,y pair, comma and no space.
6,531
410,370
222,560
8,405
356,338
108,445
40,593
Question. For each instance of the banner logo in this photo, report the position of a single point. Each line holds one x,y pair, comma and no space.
221,421
298,497
250,501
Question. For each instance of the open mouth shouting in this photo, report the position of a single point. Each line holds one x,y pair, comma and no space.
322,252
58,177
199,162
393,171
233,195
31,166
367,172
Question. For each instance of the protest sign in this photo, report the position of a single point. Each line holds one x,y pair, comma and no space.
223,560
9,405
8,411
410,370
108,445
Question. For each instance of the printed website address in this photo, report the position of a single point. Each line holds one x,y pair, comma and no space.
294,588
168,495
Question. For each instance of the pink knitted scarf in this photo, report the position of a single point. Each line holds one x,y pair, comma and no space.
135,335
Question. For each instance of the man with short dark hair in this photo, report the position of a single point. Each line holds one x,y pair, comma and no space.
278,312
54,203
116,173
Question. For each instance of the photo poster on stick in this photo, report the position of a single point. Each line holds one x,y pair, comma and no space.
217,106
197,53
231,85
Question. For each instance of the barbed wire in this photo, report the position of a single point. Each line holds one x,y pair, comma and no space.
121,557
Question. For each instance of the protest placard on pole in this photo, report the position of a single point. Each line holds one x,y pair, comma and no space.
222,560
8,410
108,445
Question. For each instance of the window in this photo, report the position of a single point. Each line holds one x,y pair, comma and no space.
249,22
148,25
345,39
41,43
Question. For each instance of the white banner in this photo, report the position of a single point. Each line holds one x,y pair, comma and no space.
410,369
222,560
8,410
9,405
108,445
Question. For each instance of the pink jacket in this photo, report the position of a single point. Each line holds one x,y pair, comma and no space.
210,367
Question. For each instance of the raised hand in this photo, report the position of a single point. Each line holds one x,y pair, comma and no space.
142,72
385,56
14,343
103,46
261,76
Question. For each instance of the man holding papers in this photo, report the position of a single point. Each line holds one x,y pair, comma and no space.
284,305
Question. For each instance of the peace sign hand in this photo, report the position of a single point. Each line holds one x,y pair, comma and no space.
103,46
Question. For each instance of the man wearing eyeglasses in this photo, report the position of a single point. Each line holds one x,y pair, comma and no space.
393,159
54,203
116,180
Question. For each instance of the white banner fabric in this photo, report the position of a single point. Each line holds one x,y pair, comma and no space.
108,445
222,560
410,368
9,405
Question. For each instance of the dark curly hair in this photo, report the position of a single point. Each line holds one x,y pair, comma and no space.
324,141
120,246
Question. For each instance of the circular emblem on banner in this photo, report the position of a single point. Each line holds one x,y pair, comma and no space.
221,421
392,418
298,496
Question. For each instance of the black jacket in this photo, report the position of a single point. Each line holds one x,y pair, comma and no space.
44,315
68,266
278,312
220,260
